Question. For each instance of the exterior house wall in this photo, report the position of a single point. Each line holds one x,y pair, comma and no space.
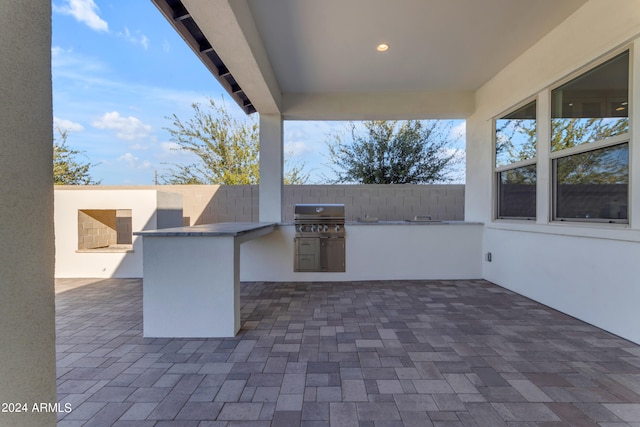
149,209
589,271
27,318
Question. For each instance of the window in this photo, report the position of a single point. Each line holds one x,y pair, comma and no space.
104,229
591,107
517,192
515,163
589,144
593,185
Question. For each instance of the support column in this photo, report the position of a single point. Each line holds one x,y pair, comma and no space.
271,168
27,323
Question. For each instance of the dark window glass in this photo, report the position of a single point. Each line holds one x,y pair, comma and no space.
593,106
516,136
593,185
517,192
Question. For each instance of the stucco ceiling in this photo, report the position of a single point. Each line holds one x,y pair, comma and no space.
318,58
329,46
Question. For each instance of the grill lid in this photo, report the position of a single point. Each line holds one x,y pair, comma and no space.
319,211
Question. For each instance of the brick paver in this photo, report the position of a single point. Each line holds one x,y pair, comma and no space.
421,353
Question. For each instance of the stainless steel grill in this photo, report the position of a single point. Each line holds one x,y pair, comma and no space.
320,238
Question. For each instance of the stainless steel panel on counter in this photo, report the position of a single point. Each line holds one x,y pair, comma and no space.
319,244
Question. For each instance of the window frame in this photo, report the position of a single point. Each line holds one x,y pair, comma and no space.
498,192
554,183
114,248
584,147
515,165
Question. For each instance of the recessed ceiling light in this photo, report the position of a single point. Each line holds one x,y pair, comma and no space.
382,47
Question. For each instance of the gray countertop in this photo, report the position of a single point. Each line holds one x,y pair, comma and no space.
410,222
218,229
240,228
401,222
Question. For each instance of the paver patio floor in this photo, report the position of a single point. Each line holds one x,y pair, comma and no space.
392,353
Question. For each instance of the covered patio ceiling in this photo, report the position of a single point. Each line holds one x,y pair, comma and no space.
306,59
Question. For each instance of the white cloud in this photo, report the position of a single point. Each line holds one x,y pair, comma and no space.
458,169
144,41
72,69
134,162
67,63
57,51
457,153
138,38
169,148
297,148
84,11
126,128
172,152
459,131
138,146
67,125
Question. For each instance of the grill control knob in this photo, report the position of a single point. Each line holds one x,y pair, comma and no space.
313,228
337,227
325,228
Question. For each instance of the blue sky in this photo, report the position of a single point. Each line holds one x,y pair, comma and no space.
119,70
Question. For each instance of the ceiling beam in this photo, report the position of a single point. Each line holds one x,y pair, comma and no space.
378,106
228,25
182,21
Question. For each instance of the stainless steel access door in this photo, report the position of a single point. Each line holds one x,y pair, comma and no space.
332,254
319,254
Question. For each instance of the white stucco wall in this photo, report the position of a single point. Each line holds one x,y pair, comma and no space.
150,209
27,328
374,252
588,271
596,280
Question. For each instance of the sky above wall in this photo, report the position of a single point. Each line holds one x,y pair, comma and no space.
120,70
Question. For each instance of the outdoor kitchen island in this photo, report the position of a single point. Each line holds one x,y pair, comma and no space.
191,286
373,251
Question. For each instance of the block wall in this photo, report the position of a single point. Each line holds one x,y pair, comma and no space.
385,202
96,229
103,228
204,204
124,231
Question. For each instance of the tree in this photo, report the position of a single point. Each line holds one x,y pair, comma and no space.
392,152
590,167
515,140
67,170
227,149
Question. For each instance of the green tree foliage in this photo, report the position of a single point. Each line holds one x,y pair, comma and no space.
392,152
525,175
569,132
591,167
227,149
515,140
67,169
